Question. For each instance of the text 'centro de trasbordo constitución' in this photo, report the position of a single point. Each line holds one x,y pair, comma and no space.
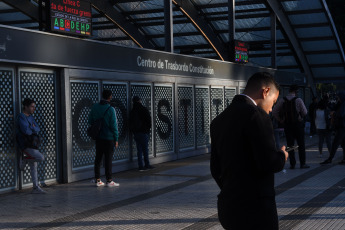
165,64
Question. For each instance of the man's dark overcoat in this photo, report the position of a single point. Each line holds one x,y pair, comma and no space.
243,162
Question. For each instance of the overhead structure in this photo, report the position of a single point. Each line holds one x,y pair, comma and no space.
291,35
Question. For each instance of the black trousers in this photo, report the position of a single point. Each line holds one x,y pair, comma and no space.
106,148
248,214
296,132
339,139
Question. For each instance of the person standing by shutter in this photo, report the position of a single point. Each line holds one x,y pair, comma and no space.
140,125
107,139
295,130
27,131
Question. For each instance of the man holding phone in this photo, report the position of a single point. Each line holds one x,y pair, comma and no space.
244,157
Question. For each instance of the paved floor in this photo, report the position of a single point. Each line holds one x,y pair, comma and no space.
176,195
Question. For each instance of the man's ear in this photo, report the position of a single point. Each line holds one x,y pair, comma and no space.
265,92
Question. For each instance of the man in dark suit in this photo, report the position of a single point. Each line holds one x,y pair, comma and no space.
244,157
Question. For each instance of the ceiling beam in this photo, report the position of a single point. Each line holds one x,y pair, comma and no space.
106,8
189,10
25,7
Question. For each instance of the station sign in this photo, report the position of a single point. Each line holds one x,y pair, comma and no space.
71,17
241,50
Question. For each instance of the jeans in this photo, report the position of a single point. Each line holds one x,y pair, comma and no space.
32,157
324,133
339,139
106,148
142,141
296,132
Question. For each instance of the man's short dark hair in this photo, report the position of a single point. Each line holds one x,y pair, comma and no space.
136,99
106,94
28,101
293,88
261,79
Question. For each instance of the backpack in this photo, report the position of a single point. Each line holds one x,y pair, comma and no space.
135,122
95,128
288,114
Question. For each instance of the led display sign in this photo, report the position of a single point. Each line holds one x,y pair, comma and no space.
71,17
241,52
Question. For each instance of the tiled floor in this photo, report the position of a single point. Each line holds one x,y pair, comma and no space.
176,195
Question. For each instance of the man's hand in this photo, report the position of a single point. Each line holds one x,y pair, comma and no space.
286,153
116,144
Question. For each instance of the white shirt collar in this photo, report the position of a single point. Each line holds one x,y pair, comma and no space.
249,98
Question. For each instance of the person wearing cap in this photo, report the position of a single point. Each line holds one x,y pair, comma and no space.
140,125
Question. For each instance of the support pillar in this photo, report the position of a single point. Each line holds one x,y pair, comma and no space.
168,25
231,20
273,40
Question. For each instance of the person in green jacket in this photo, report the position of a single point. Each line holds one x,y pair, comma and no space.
107,139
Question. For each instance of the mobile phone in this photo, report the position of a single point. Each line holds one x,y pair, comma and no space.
288,149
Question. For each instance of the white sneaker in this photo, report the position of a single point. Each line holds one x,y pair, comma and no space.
99,183
38,190
112,184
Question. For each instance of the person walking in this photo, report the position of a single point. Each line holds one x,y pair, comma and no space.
29,141
244,157
322,123
140,125
290,111
339,126
107,139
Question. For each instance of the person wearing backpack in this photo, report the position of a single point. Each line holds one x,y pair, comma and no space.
107,138
291,111
339,127
140,125
28,141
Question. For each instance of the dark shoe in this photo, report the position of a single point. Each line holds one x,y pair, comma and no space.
292,167
149,167
328,161
342,162
305,166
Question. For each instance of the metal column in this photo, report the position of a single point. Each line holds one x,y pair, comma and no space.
231,20
168,25
273,40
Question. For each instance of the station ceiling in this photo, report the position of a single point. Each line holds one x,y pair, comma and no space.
306,37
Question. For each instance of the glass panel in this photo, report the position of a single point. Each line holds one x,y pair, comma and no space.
301,5
313,32
186,117
83,96
7,136
328,72
308,18
217,104
202,116
324,58
319,45
164,119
